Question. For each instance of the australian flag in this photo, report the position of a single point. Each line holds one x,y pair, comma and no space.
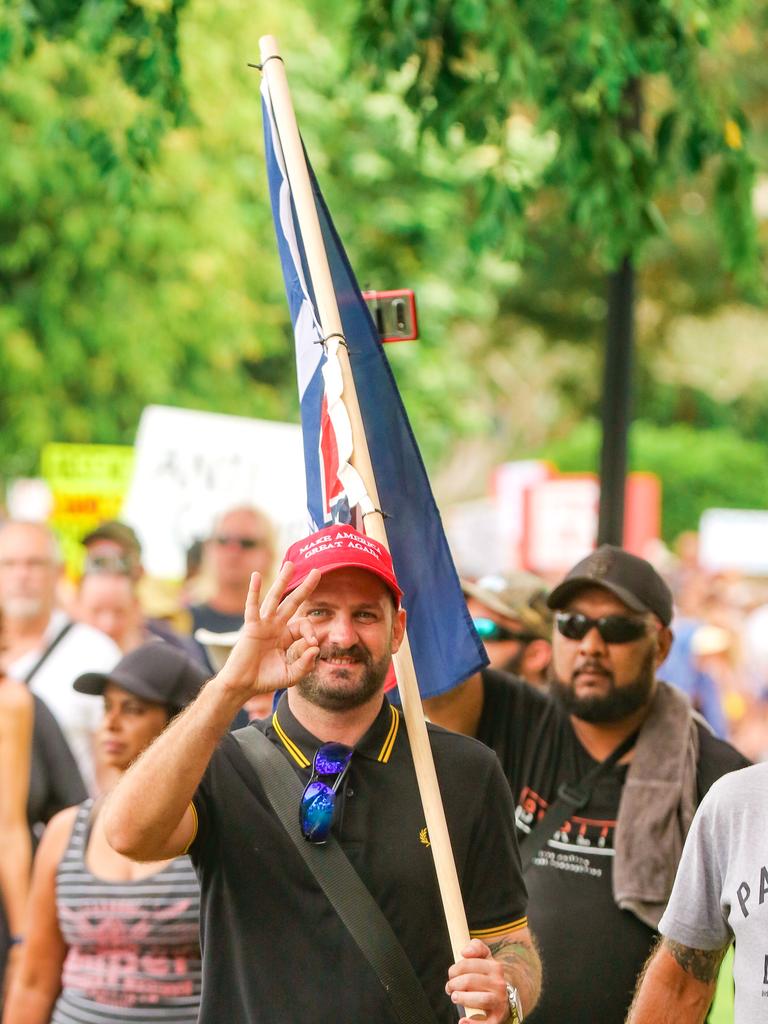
444,645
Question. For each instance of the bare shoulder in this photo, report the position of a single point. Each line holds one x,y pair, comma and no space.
15,700
17,713
57,834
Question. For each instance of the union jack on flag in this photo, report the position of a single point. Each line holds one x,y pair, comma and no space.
444,645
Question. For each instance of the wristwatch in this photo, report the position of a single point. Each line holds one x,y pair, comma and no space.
515,1006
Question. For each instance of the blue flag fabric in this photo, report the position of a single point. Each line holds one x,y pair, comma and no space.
444,645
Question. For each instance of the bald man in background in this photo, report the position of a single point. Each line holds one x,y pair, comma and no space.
44,647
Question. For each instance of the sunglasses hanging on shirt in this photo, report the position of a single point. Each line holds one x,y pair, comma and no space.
318,801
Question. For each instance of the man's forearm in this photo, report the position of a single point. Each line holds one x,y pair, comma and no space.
522,967
146,808
677,985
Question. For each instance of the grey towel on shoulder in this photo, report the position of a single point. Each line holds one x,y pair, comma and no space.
657,805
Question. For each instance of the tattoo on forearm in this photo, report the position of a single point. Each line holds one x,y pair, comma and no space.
702,964
517,957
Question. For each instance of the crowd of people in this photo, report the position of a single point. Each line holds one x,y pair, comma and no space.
601,809
721,658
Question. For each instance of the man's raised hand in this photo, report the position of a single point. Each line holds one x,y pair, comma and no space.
275,649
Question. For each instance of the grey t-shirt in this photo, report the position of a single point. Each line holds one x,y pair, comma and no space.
721,888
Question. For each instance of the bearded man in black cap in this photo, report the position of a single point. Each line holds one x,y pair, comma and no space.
607,770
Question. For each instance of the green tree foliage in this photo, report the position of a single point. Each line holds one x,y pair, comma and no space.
138,262
698,468
623,90
87,93
649,120
402,205
135,274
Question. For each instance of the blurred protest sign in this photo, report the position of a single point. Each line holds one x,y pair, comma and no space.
642,513
510,483
192,465
486,535
560,524
538,519
561,519
88,483
472,530
734,538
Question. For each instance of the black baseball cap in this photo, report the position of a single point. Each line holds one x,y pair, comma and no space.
156,671
633,580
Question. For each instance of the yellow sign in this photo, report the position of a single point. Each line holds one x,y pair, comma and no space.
87,468
89,483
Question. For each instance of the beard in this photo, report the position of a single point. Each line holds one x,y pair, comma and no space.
23,607
619,702
330,695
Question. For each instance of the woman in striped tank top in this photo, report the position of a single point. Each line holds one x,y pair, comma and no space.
110,940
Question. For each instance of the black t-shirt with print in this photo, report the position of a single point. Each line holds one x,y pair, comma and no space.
591,950
274,950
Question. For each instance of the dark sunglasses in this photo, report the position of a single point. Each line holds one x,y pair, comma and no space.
244,543
614,629
487,629
318,801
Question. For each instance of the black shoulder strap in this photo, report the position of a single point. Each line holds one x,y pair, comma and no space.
47,653
570,797
344,888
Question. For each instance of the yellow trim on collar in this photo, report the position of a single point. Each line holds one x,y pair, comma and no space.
498,930
289,745
389,742
196,824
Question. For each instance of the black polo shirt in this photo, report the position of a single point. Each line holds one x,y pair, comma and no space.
274,950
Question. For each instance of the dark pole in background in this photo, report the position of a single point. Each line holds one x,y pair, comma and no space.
617,376
616,418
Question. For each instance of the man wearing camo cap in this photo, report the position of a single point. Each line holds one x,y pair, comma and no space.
509,611
511,615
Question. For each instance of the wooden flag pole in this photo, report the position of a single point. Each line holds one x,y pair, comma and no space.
330,321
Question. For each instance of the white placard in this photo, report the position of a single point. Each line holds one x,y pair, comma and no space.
560,523
511,481
192,465
29,498
471,528
731,538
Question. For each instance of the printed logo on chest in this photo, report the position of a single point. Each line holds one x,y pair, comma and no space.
590,835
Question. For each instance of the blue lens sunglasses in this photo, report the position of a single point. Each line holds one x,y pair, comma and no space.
493,631
318,801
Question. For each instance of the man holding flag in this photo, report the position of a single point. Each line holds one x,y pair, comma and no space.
274,948
361,459
426,929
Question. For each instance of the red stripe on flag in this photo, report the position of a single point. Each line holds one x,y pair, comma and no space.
329,457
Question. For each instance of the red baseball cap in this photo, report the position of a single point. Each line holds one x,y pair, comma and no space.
340,547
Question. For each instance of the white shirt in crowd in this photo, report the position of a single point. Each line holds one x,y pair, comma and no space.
721,885
83,649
